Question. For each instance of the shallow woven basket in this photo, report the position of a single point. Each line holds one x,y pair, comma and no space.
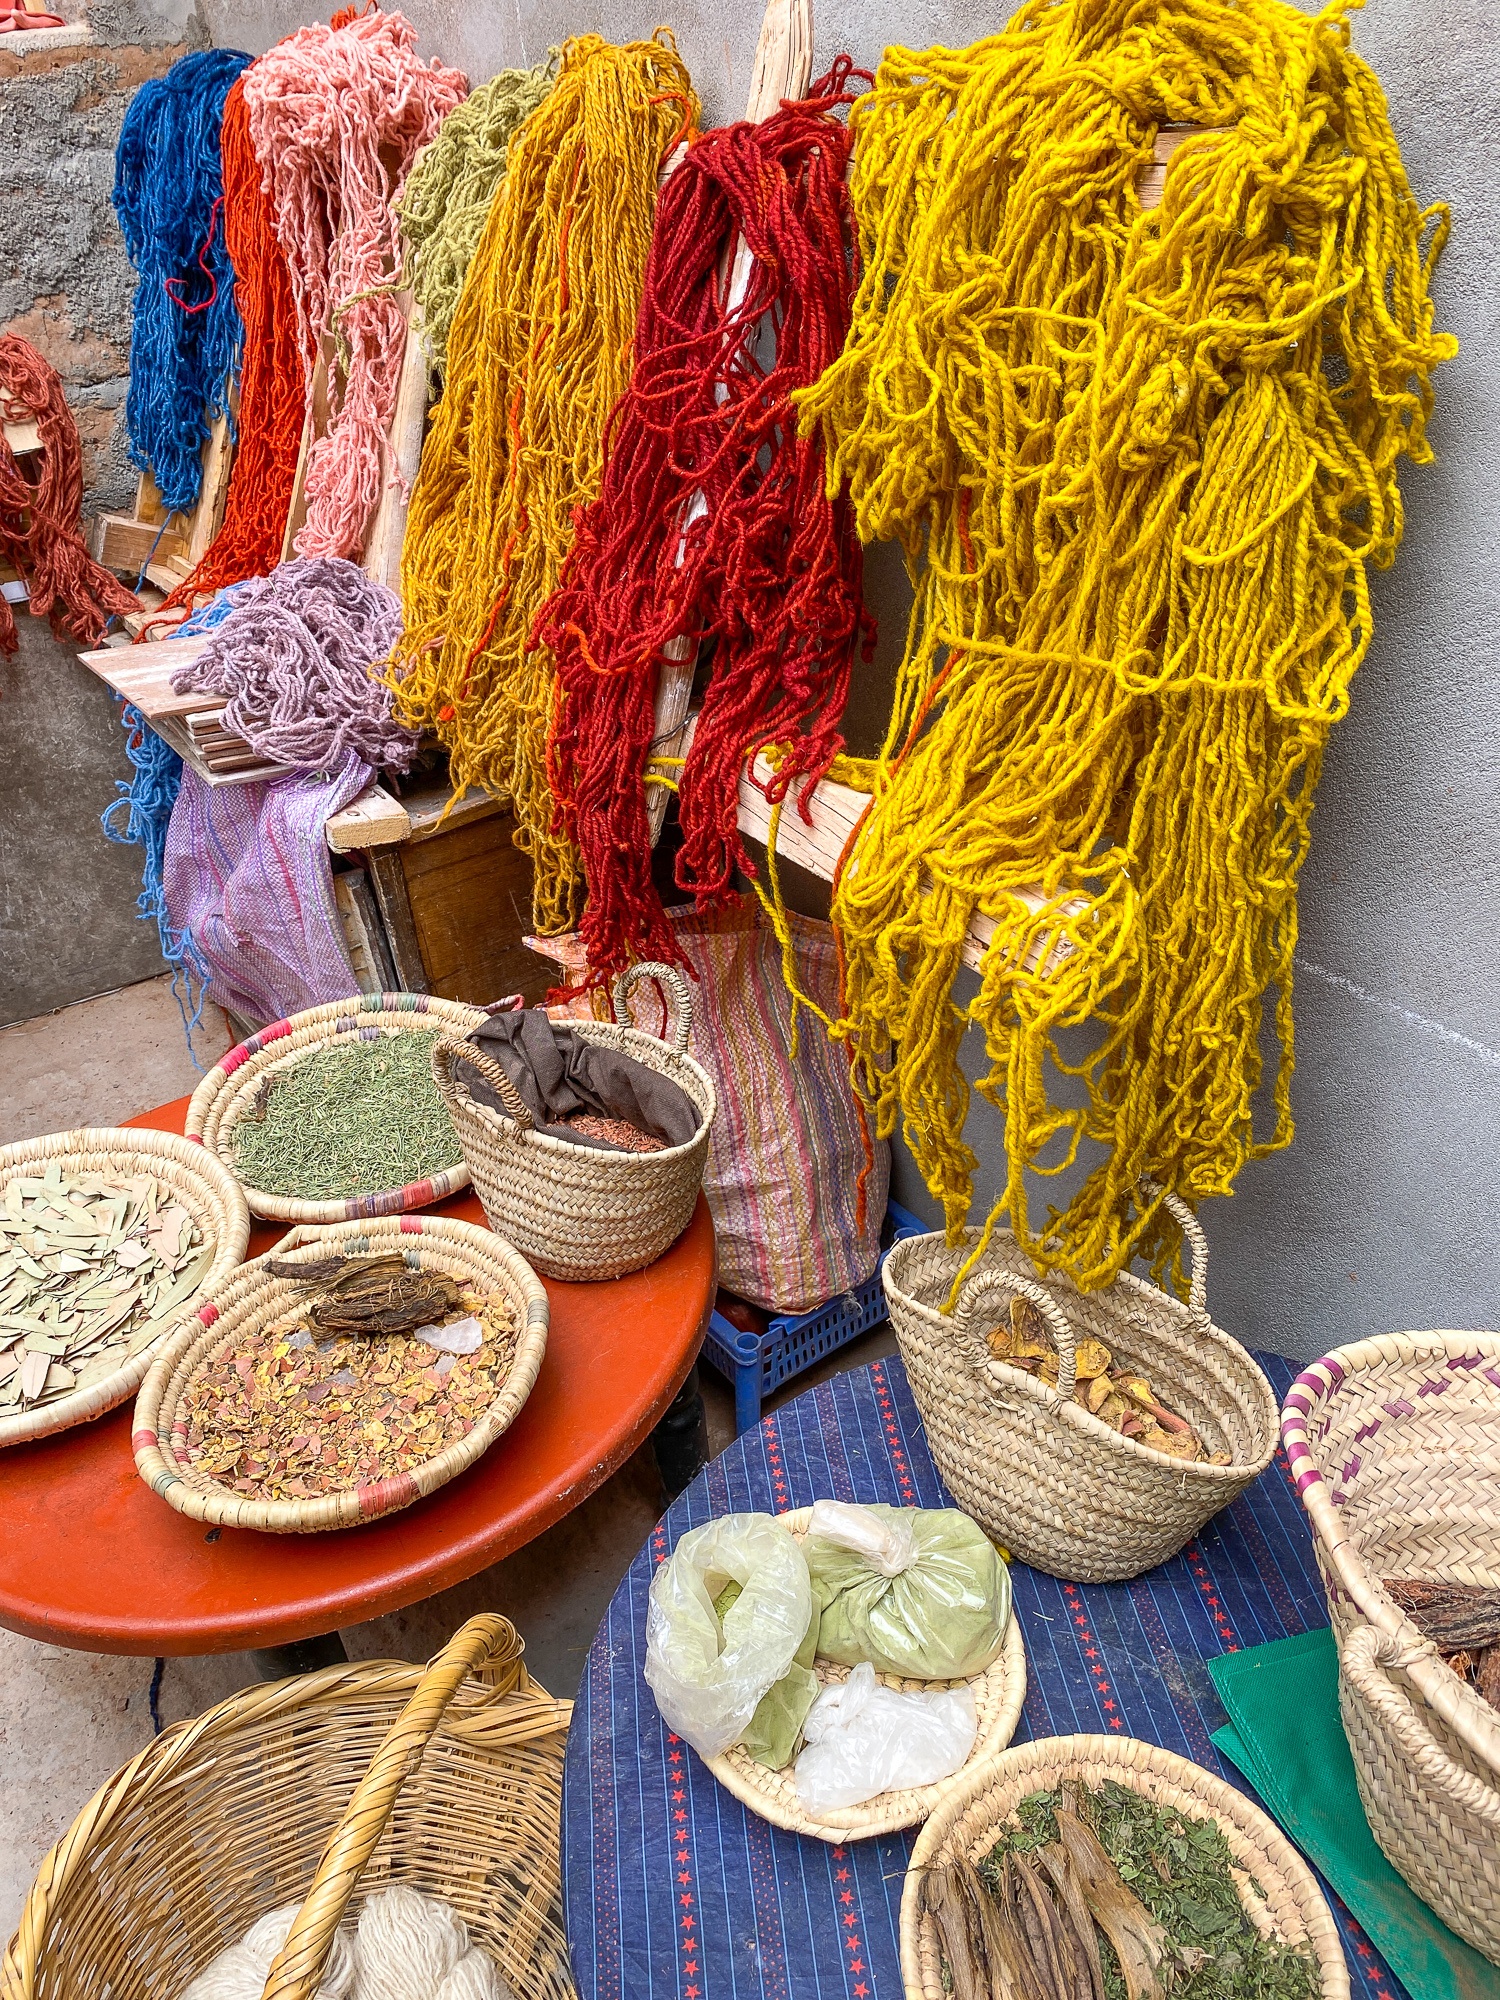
323,1790
252,1299
999,1693
976,1806
227,1094
1050,1481
1394,1444
208,1191
578,1212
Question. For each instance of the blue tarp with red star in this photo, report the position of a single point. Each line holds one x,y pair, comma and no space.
674,1891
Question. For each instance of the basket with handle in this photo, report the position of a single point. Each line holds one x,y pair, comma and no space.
232,1090
977,1805
1049,1480
1394,1446
322,1789
576,1212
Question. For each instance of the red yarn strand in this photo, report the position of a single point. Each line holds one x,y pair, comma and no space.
40,525
769,574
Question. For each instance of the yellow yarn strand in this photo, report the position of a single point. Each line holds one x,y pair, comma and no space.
538,354
1138,462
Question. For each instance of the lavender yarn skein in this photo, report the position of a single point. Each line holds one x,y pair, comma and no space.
293,661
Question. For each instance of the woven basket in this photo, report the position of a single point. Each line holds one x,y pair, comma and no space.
322,1790
1394,1444
253,1298
208,1191
228,1093
1050,1481
998,1695
575,1211
976,1806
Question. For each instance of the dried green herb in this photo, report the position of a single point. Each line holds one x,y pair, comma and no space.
356,1117
1180,1871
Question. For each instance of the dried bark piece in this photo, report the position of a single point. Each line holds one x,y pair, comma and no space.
1487,1675
1140,1944
942,1898
1457,1617
1054,1858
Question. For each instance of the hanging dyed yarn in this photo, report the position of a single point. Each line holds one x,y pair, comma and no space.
1138,462
767,569
448,193
337,115
246,869
185,337
538,356
273,386
40,525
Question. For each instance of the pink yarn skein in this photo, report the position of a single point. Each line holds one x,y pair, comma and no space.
337,116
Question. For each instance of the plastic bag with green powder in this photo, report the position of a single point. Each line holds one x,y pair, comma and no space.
775,1729
920,1592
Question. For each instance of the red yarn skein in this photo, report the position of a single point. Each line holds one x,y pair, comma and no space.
40,527
770,573
273,383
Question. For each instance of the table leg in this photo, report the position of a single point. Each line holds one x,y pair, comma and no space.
303,1656
680,1440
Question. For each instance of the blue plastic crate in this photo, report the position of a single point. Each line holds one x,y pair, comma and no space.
757,1363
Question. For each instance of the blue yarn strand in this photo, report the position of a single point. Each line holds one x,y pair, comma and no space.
186,337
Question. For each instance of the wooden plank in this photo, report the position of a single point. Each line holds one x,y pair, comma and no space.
469,892
389,882
213,495
426,809
387,531
23,437
249,770
783,66
143,674
374,819
1152,182
313,426
123,544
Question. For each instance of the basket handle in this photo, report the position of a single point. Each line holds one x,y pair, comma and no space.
1192,1229
676,985
487,1641
1365,1658
985,1282
448,1051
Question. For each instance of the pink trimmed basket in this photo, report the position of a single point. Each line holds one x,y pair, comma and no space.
1394,1445
229,1092
252,1299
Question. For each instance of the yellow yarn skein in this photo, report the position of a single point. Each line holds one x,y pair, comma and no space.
1138,462
538,354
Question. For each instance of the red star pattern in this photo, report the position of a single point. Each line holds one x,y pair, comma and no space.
774,1464
682,1861
893,1436
1210,1597
1073,1597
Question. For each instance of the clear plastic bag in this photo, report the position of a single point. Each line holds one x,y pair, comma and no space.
864,1739
709,1678
919,1592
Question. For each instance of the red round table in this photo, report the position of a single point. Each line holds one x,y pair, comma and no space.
93,1559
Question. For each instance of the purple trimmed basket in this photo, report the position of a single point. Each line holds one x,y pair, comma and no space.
1394,1446
227,1094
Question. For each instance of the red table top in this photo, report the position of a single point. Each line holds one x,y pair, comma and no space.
91,1558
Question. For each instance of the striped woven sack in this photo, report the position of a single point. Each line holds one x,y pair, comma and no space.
786,1151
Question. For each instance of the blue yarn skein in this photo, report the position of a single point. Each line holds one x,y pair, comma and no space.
139,818
186,337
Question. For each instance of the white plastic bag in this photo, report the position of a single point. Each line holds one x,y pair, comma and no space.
864,1739
707,1688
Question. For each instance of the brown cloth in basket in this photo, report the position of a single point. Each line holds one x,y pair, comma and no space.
558,1074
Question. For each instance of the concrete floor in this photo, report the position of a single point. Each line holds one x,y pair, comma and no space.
69,1720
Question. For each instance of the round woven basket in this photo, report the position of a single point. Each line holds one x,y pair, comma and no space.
1054,1484
229,1092
1394,1445
998,1696
253,1299
320,1790
575,1211
207,1190
976,1806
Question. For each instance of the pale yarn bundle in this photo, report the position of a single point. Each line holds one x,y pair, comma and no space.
241,1971
293,660
337,116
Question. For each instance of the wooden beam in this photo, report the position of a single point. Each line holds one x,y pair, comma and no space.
123,543
403,459
389,879
143,674
374,819
1152,183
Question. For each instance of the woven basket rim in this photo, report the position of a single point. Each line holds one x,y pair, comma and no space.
1019,1381
1040,1764
608,1031
888,1812
400,1012
141,1144
156,1460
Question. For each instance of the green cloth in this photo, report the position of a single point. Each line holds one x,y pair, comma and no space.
1286,1735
